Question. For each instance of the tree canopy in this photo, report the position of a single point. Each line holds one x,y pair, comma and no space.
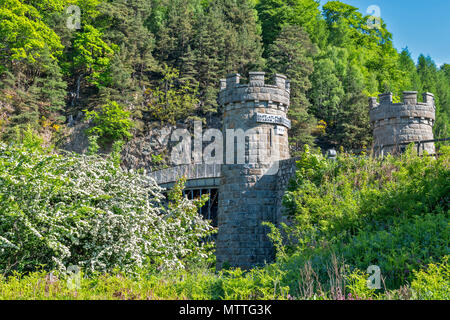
51,68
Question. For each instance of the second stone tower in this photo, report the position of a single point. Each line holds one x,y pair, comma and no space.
397,124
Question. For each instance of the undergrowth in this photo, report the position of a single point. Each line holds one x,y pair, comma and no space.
343,216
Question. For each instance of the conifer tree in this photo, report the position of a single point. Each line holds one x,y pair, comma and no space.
406,63
291,54
327,92
50,88
436,82
274,14
353,129
176,29
227,40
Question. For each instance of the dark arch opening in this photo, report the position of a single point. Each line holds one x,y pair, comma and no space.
211,207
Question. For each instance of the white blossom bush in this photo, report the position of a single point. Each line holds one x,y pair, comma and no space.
57,211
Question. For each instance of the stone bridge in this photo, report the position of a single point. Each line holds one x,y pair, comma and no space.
200,179
207,179
198,176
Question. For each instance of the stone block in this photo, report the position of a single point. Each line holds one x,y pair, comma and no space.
410,97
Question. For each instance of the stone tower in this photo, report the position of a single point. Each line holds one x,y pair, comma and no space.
395,123
255,128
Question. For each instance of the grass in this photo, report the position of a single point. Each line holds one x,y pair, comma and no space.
266,283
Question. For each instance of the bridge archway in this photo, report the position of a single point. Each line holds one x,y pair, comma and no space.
200,179
210,209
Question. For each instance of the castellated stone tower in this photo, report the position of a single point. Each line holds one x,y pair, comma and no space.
256,139
405,122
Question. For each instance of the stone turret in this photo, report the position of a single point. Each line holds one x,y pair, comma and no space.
398,123
248,188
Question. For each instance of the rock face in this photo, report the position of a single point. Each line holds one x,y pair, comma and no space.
400,123
249,189
137,153
77,139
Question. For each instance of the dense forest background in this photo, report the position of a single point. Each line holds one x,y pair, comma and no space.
131,62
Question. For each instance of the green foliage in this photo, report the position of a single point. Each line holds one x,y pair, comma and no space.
206,39
392,212
49,87
338,99
275,14
123,47
17,19
57,211
352,127
124,23
433,283
198,284
350,29
357,285
29,139
181,213
169,102
93,56
328,92
275,236
111,123
163,58
257,284
93,145
437,81
205,284
115,153
157,159
291,54
31,84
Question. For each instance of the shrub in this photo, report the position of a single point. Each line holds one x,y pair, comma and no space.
59,211
357,286
199,284
111,123
391,212
205,284
433,283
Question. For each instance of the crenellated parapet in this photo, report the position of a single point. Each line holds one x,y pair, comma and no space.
404,122
256,91
407,109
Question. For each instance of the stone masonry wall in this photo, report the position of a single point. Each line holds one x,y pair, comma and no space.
248,192
405,122
286,171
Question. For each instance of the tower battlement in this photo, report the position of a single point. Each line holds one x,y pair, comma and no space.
386,109
255,91
404,122
258,106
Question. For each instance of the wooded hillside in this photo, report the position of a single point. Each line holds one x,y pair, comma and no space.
161,60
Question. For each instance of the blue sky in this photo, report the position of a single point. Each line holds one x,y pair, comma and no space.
421,25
